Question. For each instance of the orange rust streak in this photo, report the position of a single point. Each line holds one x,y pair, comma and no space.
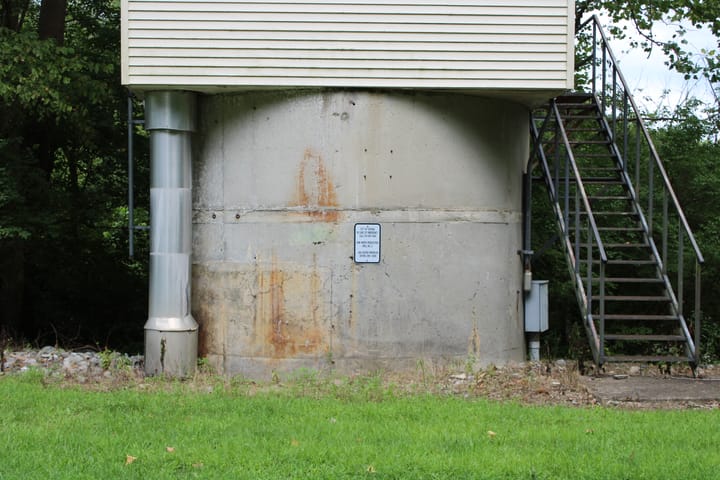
321,199
278,338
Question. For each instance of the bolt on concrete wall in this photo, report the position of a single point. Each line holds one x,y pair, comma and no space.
281,180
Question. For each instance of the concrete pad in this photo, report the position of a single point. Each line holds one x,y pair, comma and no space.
609,390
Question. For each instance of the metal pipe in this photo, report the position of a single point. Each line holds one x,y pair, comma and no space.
171,333
534,347
131,177
602,313
577,228
651,196
637,155
665,232
698,311
613,132
625,154
680,272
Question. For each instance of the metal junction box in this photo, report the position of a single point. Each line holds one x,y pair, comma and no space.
536,307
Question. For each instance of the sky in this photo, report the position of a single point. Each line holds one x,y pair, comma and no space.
649,77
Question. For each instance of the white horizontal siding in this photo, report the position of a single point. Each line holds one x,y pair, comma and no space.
204,44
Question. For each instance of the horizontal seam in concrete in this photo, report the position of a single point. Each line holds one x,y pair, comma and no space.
295,215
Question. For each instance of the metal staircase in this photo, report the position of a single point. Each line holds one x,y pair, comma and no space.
623,230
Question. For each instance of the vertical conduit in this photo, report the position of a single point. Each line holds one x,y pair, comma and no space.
171,333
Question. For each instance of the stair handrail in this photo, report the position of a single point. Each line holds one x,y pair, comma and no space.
576,173
597,27
609,61
579,182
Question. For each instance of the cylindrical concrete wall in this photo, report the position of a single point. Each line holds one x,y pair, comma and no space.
171,332
281,180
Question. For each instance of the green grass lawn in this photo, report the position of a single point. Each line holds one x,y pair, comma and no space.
175,431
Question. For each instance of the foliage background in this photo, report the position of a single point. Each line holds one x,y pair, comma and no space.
65,275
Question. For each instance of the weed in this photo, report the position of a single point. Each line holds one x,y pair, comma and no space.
470,364
106,358
203,366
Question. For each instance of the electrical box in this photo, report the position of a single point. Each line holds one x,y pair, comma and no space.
536,307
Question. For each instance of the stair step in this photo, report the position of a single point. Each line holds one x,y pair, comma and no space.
602,180
572,116
609,197
623,214
574,104
640,317
632,280
585,168
622,262
574,98
633,298
645,338
646,358
625,245
620,229
589,142
593,155
584,129
614,261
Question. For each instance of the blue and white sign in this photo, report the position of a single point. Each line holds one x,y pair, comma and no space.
367,243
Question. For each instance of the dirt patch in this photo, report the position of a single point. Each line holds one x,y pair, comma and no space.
557,382
561,383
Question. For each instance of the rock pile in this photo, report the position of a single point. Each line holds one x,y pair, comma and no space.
80,365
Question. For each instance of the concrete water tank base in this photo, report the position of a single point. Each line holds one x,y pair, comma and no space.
282,178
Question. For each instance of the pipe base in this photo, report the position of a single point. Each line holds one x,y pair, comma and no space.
171,353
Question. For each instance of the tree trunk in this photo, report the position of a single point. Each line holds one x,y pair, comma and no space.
52,20
12,13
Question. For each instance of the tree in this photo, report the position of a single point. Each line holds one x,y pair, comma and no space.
643,17
64,272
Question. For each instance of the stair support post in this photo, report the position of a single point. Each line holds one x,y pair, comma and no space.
601,354
681,273
698,311
665,233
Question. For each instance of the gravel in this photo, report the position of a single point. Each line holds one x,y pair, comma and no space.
82,366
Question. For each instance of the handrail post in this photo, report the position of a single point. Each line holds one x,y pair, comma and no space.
624,159
698,311
602,312
589,272
614,102
566,193
577,229
594,58
680,273
637,150
665,232
651,194
603,82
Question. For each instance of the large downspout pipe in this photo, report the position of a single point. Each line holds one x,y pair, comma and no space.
171,333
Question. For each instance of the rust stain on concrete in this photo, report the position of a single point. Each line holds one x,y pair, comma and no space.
203,299
287,315
315,189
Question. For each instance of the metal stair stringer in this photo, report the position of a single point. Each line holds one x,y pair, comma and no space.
538,155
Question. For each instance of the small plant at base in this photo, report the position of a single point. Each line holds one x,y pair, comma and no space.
203,365
470,364
420,364
106,358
